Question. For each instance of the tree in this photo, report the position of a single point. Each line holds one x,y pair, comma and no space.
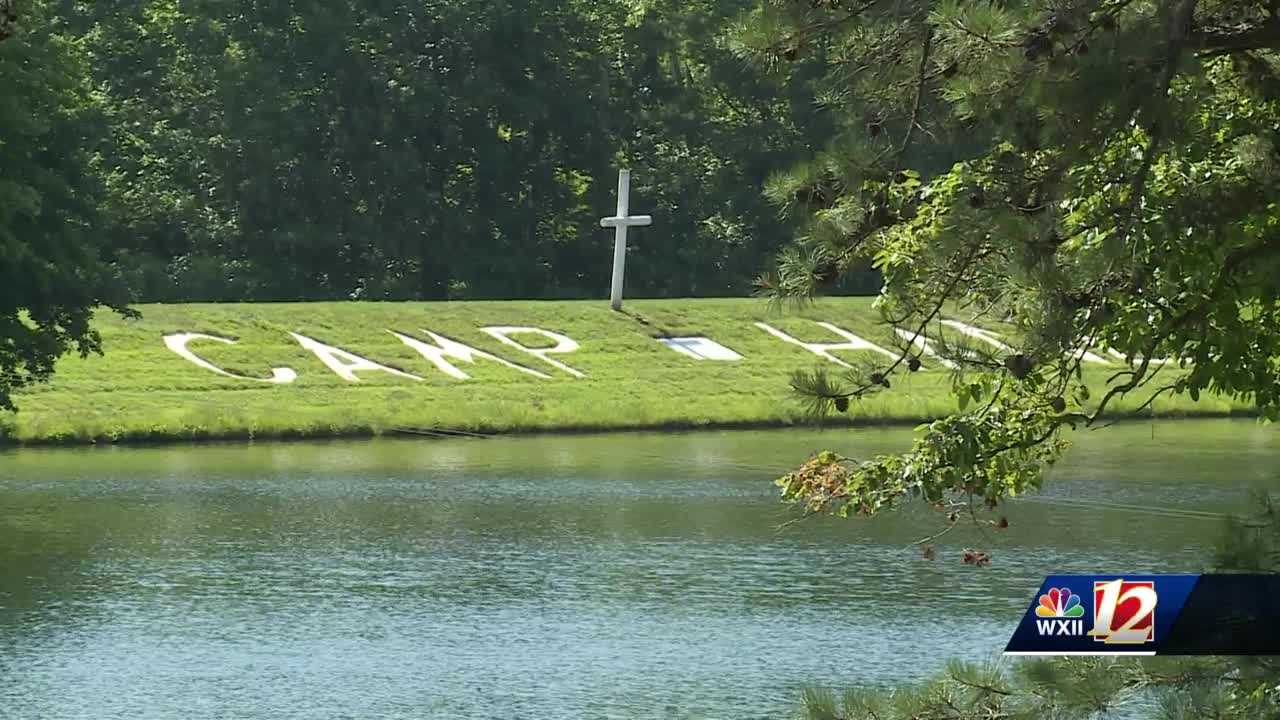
52,267
1084,173
423,150
1178,688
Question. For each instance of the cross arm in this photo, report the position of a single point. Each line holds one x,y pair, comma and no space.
629,221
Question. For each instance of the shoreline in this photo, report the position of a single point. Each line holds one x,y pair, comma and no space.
405,433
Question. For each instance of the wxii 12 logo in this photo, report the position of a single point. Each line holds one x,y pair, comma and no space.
1124,612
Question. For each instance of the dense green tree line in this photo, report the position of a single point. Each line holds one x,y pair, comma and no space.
281,149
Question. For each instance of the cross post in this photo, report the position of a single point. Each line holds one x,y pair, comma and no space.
620,222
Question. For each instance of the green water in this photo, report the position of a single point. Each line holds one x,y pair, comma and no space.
637,576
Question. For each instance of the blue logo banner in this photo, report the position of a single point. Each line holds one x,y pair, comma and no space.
1114,614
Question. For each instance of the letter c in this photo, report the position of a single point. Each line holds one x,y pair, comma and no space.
178,343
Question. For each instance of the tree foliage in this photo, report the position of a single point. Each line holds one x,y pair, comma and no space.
53,271
1087,174
271,149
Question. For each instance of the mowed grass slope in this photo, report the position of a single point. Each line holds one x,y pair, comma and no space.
141,390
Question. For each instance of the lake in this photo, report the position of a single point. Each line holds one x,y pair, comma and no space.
624,576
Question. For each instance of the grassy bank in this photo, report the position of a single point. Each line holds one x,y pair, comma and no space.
142,390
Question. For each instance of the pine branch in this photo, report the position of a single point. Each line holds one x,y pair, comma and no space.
1214,41
921,80
793,39
1146,404
1135,378
1179,31
960,274
1002,44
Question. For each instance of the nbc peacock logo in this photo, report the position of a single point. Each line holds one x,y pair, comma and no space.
1059,612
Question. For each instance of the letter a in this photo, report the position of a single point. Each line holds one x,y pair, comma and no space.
177,342
344,363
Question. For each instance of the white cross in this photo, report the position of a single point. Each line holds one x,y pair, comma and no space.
620,223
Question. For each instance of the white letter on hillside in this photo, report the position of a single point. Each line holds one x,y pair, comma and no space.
564,344
977,333
178,343
990,338
452,349
919,341
344,363
852,342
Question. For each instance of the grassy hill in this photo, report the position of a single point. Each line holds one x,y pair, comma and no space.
142,389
